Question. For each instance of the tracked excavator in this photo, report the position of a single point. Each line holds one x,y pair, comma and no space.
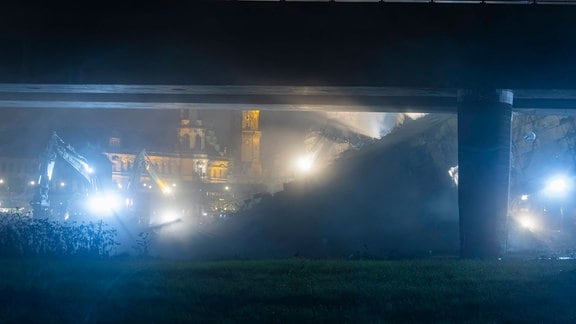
151,209
95,197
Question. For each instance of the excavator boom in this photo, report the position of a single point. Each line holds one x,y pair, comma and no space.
58,148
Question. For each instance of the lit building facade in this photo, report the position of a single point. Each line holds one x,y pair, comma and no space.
197,158
196,163
250,147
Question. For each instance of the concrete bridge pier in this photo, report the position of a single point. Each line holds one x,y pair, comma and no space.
484,127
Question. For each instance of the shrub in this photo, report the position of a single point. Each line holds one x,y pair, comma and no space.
143,243
22,235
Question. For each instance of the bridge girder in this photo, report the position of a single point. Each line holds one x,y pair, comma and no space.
282,98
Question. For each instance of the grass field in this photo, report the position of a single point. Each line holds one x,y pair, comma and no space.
297,290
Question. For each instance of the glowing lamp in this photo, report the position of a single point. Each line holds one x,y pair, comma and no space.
104,203
527,222
557,187
305,163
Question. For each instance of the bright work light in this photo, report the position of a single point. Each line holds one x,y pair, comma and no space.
104,203
557,187
527,222
305,163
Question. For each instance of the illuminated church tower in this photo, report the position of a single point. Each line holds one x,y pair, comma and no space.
191,133
250,149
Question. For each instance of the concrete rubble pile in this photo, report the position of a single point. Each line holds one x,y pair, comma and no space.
394,198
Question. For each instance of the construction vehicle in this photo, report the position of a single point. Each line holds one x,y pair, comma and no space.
150,209
143,163
94,197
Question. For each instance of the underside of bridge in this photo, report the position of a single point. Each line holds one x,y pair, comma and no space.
295,56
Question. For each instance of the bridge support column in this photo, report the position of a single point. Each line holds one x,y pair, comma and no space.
484,127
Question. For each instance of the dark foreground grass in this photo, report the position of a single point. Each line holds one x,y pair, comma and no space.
287,291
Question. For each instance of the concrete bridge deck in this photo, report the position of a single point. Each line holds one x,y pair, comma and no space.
287,98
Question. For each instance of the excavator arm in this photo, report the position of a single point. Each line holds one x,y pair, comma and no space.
143,163
58,148
76,161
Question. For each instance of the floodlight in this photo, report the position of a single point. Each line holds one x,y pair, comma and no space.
305,163
104,203
557,187
528,222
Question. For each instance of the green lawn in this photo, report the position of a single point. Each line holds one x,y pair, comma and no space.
287,291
